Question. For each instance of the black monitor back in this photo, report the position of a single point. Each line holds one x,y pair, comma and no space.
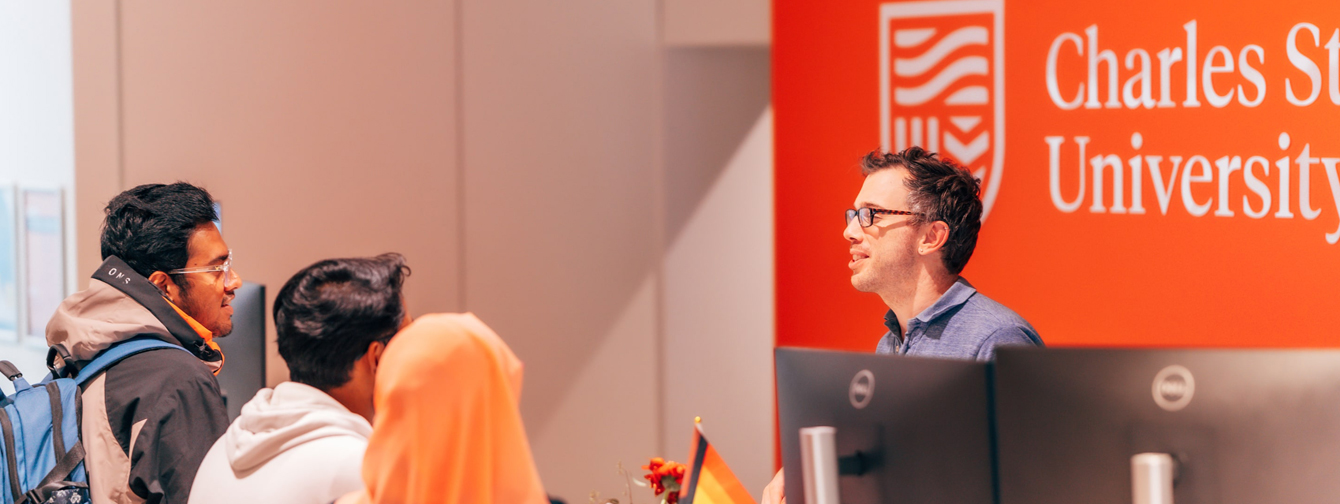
1246,427
924,424
243,371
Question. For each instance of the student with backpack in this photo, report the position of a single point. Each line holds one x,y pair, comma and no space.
156,303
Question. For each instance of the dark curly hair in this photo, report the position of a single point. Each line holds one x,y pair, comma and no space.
149,226
329,312
939,189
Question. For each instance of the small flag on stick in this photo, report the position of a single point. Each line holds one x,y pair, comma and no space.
710,481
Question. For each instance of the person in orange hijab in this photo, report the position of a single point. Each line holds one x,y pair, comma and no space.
447,428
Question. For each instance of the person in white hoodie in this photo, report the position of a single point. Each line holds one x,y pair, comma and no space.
303,441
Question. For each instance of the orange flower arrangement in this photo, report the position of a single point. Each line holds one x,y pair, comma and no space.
666,478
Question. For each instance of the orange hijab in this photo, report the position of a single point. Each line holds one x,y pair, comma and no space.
447,428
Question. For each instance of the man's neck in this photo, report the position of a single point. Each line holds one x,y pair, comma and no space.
356,401
917,297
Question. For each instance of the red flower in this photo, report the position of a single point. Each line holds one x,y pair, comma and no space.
665,477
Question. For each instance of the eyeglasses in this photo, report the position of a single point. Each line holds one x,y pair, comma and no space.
867,215
226,268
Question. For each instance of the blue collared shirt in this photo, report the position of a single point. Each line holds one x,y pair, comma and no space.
962,324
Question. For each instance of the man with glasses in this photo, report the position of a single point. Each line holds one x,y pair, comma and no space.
149,419
913,229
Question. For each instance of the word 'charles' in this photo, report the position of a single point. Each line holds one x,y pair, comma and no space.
1220,75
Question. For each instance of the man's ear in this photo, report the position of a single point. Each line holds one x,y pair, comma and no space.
933,238
375,350
169,288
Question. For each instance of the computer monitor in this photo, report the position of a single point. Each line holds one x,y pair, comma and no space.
908,430
243,372
1241,426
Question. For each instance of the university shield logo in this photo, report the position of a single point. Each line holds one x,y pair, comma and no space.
942,83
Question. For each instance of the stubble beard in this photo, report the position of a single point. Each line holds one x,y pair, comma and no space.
863,282
885,278
225,326
874,277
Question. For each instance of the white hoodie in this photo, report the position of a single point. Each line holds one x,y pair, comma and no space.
293,444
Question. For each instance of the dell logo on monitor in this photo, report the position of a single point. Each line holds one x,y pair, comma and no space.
1173,388
862,388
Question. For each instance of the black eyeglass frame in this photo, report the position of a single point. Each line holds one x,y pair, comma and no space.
867,215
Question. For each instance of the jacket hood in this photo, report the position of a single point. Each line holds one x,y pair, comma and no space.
279,419
120,304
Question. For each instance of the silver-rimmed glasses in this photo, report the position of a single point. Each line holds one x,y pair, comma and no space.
226,268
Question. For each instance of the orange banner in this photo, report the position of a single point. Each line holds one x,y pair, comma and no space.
1154,174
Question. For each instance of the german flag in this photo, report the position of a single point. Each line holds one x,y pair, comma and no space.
710,481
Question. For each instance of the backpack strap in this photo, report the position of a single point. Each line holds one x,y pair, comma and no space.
60,363
55,480
66,463
120,351
57,419
12,372
12,460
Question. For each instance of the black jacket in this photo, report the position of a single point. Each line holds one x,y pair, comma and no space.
148,420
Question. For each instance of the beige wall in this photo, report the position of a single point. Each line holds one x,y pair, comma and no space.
718,301
97,132
326,129
717,22
514,151
562,222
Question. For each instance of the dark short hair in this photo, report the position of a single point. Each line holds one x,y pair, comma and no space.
939,189
328,314
149,226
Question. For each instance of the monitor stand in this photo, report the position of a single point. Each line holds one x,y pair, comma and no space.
1152,478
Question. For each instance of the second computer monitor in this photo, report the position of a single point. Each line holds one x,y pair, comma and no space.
916,430
1237,426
